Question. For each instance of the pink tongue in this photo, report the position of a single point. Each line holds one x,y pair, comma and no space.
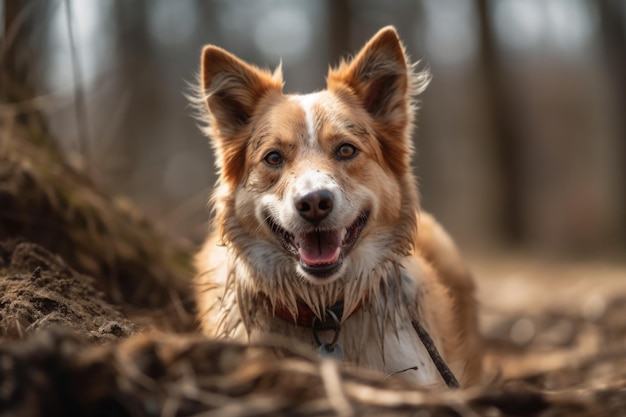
319,248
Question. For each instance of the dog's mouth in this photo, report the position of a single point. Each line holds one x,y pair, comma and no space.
320,252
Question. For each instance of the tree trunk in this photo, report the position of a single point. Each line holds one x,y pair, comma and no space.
506,137
613,32
340,19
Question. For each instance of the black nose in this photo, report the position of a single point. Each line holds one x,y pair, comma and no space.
315,206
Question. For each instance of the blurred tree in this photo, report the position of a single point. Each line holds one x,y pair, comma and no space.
133,47
613,32
17,63
140,84
506,136
14,45
340,22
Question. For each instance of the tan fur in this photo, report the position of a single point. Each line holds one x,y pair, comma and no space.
401,266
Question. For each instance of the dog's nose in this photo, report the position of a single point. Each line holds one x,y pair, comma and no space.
315,206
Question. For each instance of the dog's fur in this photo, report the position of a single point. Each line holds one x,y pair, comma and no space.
350,146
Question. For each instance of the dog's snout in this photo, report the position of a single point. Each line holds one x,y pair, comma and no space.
315,206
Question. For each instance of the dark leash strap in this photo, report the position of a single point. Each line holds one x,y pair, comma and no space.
440,364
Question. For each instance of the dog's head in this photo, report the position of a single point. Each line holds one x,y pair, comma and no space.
315,185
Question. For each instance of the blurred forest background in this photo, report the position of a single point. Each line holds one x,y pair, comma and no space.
522,132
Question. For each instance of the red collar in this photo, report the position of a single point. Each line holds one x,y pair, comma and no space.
305,316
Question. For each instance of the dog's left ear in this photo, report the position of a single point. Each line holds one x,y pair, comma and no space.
379,74
382,79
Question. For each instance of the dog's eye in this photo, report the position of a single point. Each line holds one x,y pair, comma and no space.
347,151
274,158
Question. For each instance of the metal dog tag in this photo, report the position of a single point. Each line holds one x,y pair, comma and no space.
332,351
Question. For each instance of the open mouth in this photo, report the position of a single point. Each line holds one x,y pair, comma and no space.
320,252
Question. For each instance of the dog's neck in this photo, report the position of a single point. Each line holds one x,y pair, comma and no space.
306,317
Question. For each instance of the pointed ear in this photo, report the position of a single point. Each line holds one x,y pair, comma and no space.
381,77
382,80
233,88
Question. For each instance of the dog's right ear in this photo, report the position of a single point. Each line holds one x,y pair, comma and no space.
233,88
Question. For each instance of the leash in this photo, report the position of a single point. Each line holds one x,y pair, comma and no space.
440,364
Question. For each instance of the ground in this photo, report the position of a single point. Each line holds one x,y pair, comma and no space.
555,335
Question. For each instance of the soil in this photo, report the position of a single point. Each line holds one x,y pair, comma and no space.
38,290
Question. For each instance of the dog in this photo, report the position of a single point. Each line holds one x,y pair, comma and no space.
317,233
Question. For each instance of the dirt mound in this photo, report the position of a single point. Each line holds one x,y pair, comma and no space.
46,201
38,290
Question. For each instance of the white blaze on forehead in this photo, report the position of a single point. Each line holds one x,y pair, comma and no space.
307,102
